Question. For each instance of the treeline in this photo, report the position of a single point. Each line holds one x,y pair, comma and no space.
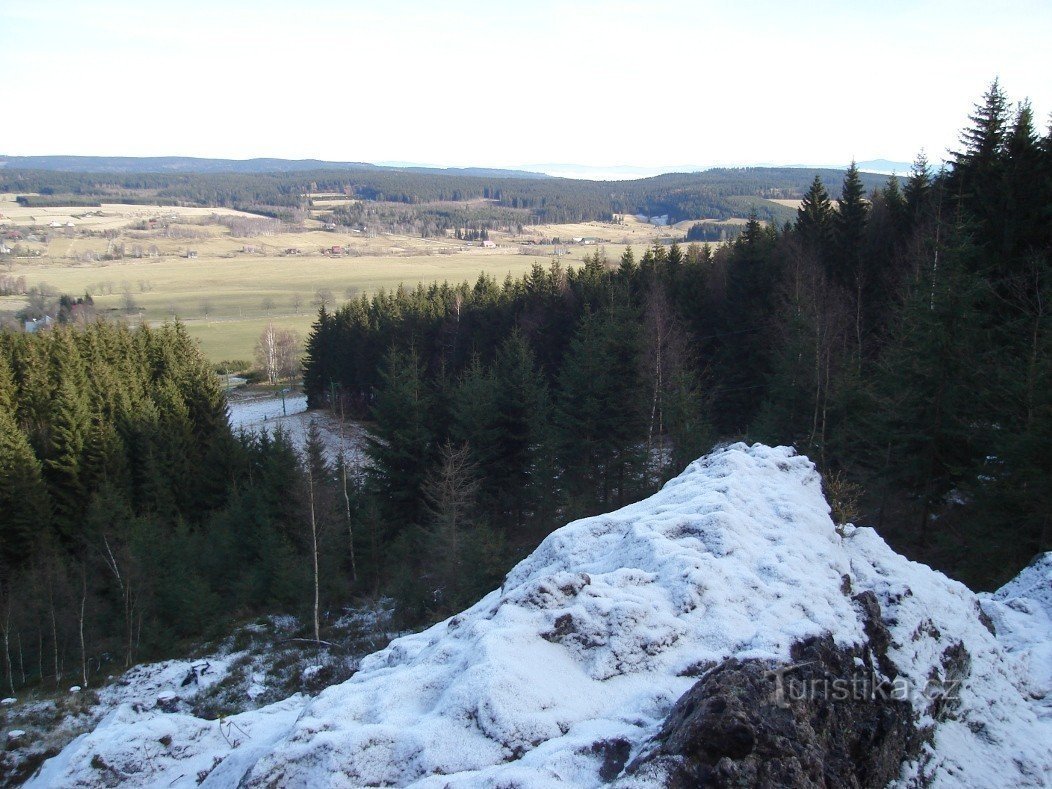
714,194
50,201
131,519
712,231
430,221
899,338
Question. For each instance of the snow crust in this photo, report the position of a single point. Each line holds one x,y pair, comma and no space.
595,635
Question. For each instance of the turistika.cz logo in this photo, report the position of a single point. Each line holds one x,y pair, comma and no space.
863,686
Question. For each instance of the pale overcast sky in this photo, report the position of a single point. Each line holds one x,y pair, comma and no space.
507,84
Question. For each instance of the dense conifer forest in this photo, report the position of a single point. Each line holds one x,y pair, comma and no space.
131,517
897,335
713,194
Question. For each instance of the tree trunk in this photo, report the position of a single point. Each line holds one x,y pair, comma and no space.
7,649
314,553
21,659
346,497
80,623
54,640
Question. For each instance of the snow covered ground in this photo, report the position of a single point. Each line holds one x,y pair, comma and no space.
259,409
257,665
1021,612
256,411
594,636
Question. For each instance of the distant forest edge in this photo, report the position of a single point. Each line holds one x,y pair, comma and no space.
713,194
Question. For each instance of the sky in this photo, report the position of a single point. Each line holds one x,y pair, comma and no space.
650,84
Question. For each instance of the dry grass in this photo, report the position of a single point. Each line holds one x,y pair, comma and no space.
226,301
227,294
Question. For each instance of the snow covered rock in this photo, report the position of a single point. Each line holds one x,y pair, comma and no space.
582,668
1021,614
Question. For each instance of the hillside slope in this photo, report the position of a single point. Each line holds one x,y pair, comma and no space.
569,675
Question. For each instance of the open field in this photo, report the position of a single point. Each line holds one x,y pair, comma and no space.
157,263
794,204
226,302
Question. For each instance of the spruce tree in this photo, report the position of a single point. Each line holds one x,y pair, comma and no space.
401,444
917,191
513,460
69,422
929,415
599,414
23,498
8,394
976,179
814,218
849,227
1025,192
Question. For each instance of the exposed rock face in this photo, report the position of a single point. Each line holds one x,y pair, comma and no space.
828,719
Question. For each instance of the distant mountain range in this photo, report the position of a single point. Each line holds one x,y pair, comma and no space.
189,164
626,172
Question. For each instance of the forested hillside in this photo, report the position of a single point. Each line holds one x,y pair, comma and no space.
713,194
900,338
130,516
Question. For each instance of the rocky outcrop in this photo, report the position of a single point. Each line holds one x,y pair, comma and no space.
722,632
831,718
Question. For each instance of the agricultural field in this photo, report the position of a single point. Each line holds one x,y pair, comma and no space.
226,273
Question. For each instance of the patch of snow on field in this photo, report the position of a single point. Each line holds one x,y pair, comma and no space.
254,412
257,411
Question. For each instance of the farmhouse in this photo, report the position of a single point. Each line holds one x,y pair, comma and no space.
33,326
